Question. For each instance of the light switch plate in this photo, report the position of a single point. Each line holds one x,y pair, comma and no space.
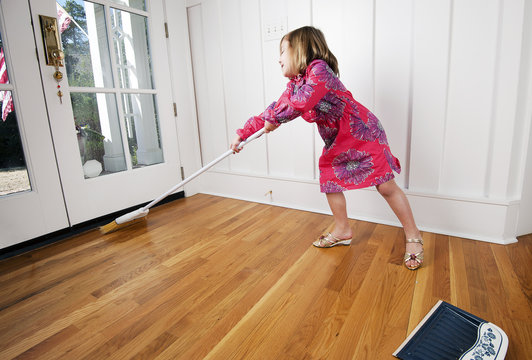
275,29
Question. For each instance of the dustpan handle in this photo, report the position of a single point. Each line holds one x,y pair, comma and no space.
203,169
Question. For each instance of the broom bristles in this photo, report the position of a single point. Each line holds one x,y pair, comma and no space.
109,228
125,220
113,226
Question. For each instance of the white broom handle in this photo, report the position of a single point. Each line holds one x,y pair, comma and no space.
203,169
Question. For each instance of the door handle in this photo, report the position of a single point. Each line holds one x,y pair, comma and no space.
52,45
57,57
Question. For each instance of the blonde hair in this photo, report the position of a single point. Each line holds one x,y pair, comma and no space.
308,44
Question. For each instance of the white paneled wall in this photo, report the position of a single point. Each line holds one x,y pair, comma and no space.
449,80
430,79
393,44
521,179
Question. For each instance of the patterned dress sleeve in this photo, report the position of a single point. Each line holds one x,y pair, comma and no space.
300,96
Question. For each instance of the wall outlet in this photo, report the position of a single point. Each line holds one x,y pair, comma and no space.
275,29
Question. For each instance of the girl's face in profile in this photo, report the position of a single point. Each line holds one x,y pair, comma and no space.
285,60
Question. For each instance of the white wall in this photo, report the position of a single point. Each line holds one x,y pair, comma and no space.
524,180
449,80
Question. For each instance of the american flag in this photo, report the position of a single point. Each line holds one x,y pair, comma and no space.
63,18
5,96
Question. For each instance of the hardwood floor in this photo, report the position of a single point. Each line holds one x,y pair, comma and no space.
213,278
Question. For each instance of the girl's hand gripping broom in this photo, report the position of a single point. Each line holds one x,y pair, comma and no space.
127,219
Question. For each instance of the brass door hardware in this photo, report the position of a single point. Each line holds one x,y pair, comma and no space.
52,45
52,49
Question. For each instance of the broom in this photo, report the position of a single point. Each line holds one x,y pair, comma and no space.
134,216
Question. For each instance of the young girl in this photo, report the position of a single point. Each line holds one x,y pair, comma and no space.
356,152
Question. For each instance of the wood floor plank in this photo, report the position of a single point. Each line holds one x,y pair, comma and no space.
458,274
218,261
320,345
64,294
45,346
520,254
201,347
43,333
305,289
75,347
207,277
155,347
386,322
512,291
494,289
319,316
423,298
364,231
476,278
519,333
441,287
258,319
345,344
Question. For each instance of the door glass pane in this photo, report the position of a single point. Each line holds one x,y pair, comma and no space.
13,170
137,4
99,134
89,64
142,126
84,38
130,37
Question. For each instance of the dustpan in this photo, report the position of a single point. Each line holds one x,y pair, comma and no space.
448,333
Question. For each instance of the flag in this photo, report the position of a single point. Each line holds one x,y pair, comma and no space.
5,96
63,18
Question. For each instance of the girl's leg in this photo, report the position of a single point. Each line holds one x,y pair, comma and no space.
401,207
341,230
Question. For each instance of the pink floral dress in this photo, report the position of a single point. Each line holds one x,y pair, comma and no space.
356,152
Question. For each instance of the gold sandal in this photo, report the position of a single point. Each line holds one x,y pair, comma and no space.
417,257
329,240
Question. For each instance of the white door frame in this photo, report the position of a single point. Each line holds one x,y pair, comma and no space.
87,199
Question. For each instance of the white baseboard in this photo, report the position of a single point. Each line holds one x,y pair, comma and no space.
477,219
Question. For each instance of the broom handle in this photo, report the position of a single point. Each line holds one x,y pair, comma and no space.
203,169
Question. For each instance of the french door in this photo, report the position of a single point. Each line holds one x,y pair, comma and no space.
34,204
102,113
